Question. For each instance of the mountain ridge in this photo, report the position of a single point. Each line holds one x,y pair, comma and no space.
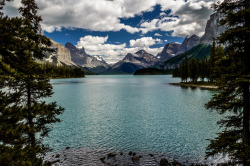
81,58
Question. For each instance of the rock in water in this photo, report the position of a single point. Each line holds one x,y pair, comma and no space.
135,159
164,162
110,155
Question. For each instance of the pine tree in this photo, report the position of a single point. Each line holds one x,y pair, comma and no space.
184,69
202,69
193,67
234,71
211,62
24,116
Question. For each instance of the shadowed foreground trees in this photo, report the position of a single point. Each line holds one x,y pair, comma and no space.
233,69
25,119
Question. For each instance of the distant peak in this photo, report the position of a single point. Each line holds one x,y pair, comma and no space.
176,43
69,45
141,52
192,36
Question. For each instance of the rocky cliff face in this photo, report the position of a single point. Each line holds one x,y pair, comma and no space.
140,58
133,61
81,58
172,49
213,29
60,56
188,43
168,51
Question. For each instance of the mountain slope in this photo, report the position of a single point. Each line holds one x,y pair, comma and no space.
172,49
200,51
213,29
131,62
169,51
81,58
188,43
60,56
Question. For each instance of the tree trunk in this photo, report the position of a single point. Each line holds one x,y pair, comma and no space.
246,114
30,118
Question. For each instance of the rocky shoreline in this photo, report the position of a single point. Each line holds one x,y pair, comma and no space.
209,87
89,157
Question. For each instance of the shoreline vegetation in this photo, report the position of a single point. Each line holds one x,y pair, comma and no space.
153,71
201,85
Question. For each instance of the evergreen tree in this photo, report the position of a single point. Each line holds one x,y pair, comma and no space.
176,72
202,69
184,69
24,116
211,63
234,71
193,67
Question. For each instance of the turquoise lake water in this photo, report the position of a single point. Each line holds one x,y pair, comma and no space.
133,113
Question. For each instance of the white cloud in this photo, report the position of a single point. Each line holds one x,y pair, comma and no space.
144,42
95,15
103,15
112,53
157,34
186,18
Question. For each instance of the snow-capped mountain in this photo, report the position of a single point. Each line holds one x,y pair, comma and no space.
81,58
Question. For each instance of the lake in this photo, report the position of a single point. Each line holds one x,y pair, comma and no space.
133,113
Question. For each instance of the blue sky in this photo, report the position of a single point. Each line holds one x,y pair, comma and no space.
113,28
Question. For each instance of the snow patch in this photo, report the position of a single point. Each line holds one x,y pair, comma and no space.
98,58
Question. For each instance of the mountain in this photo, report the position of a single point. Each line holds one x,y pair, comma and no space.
60,56
172,49
200,51
188,43
168,51
80,57
132,62
213,29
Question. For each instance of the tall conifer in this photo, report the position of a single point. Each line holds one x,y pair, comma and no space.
234,71
24,118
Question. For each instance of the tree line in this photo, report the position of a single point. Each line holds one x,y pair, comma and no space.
54,71
193,69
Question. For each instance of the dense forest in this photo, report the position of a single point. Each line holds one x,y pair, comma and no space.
193,69
152,71
53,71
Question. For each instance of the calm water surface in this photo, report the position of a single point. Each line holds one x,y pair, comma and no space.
137,113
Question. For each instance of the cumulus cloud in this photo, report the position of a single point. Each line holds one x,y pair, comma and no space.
157,34
144,42
186,18
112,53
190,16
95,15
